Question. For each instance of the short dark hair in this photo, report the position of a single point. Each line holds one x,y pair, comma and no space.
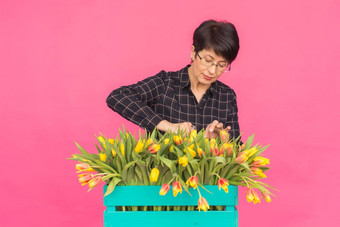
218,36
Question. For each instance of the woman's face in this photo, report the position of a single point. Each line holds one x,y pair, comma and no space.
206,67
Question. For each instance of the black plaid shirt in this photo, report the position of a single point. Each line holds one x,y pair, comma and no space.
167,96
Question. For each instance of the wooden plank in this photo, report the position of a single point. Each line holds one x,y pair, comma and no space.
149,196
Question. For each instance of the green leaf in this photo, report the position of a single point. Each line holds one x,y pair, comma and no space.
81,149
142,167
246,166
218,167
168,163
125,170
112,186
249,142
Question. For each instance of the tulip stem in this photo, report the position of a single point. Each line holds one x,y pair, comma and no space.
216,175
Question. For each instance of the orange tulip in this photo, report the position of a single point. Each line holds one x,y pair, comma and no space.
260,161
252,151
178,139
192,181
200,152
164,189
241,157
227,147
95,181
224,135
176,187
252,196
154,148
203,204
223,183
84,167
258,172
266,196
85,178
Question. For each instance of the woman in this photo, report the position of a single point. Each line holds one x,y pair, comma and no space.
191,98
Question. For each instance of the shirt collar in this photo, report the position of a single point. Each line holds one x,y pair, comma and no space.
185,82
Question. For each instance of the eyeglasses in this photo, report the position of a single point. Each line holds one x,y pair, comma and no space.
209,63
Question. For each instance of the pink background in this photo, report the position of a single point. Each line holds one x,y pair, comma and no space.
60,59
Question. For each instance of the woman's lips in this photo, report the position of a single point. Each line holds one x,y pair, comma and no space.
207,77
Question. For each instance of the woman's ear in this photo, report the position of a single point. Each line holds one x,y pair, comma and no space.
193,53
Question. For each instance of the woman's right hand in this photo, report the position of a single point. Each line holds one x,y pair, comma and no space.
166,126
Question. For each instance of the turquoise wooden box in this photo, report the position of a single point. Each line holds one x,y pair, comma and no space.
149,196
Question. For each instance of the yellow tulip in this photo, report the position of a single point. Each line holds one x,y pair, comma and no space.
193,133
192,152
122,149
102,157
183,161
212,142
112,141
171,149
113,152
154,175
166,141
139,147
101,139
148,142
192,136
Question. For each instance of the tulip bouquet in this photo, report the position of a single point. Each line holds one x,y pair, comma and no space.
178,159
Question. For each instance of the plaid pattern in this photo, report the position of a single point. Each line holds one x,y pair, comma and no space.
167,96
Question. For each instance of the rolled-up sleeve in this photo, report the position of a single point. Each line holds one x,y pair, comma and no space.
135,102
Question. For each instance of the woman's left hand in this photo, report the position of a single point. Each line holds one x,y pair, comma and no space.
213,129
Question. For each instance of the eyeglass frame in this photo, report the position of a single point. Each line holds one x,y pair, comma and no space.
228,66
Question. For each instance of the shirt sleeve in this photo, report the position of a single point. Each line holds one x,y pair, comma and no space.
135,102
232,118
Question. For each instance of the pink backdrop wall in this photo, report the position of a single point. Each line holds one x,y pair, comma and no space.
60,59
